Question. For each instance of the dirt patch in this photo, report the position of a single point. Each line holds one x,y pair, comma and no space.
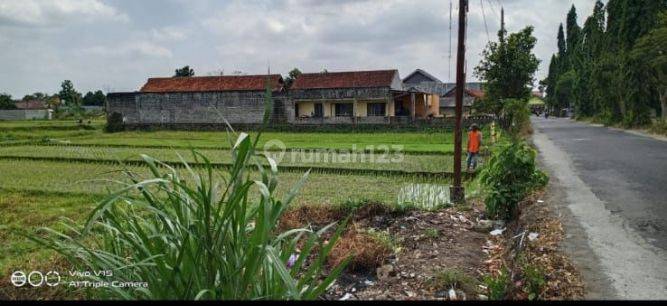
531,249
425,245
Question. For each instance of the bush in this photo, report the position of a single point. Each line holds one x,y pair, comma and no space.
518,114
509,175
114,123
498,286
209,238
535,282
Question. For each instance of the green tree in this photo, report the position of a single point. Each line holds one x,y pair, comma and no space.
508,66
69,95
650,53
6,101
564,89
94,99
291,76
186,71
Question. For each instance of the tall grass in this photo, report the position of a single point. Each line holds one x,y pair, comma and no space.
200,236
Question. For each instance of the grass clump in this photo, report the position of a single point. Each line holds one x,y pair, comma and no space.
455,278
498,285
205,239
368,249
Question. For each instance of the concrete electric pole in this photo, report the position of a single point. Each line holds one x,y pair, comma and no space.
457,193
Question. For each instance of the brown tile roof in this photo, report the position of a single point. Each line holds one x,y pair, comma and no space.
31,104
476,93
348,79
212,83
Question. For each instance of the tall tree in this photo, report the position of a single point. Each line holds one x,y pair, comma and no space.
184,72
650,53
6,101
562,48
508,67
94,99
573,40
69,95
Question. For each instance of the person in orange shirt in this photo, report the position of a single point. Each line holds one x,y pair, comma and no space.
474,143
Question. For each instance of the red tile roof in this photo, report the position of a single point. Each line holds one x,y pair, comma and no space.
212,83
31,104
349,79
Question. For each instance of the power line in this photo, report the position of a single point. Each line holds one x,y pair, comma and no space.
486,26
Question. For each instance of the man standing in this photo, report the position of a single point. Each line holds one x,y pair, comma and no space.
474,143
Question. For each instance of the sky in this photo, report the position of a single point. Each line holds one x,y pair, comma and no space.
115,45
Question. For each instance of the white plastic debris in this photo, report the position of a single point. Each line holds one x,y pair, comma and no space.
452,294
532,236
540,201
346,297
497,232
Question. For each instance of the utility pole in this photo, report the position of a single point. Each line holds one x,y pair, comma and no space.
457,193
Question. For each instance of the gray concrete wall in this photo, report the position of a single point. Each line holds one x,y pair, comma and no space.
238,107
23,114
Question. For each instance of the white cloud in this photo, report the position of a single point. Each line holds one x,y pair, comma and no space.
56,12
169,33
130,49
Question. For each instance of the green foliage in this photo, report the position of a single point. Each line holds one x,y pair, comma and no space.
204,239
6,101
518,113
651,58
455,278
535,282
498,286
186,71
607,69
114,123
291,76
69,95
508,177
508,66
94,99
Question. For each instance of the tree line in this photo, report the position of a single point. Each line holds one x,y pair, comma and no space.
67,96
614,67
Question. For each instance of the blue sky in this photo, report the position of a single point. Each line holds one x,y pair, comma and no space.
114,45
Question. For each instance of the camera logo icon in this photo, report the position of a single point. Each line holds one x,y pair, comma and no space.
35,278
19,278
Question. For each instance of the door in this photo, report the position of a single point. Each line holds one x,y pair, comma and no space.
319,110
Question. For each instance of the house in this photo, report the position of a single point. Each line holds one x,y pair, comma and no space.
426,82
470,97
31,104
351,97
27,110
199,101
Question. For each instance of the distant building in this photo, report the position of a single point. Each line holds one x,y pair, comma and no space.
31,104
470,97
198,101
352,97
426,82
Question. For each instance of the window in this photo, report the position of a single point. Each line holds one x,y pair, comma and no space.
344,109
376,109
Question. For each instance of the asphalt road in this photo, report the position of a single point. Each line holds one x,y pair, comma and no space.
614,186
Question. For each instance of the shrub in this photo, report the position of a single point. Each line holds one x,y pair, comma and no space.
518,114
498,286
114,123
209,238
507,178
535,282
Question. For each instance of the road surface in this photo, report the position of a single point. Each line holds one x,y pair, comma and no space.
612,188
